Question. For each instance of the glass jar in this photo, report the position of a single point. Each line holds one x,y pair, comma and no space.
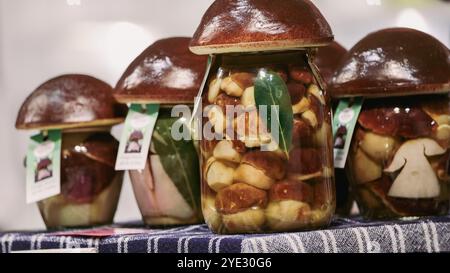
398,158
288,185
90,187
168,189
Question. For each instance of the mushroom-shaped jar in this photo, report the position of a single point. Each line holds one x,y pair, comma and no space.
84,109
168,189
265,117
398,158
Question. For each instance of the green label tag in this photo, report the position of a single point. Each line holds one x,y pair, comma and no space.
43,166
136,137
344,124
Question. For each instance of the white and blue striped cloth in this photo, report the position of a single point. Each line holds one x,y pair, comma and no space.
345,235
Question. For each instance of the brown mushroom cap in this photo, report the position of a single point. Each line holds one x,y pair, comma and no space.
260,25
238,197
393,62
269,162
70,101
328,59
166,72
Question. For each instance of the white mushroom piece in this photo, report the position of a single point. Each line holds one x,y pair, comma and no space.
364,168
316,92
235,84
260,169
229,151
417,178
378,147
218,174
216,118
250,129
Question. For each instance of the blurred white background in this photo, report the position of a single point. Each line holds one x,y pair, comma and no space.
40,39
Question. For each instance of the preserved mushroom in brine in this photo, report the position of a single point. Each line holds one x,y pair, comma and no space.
286,187
90,187
399,158
81,108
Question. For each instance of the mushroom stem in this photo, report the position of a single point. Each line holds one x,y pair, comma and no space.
417,178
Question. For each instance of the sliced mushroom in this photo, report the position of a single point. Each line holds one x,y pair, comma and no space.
231,88
250,129
311,118
225,150
417,178
214,90
239,197
248,97
322,136
397,121
316,92
291,190
287,215
218,174
248,174
378,147
364,168
301,106
237,83
212,218
223,100
442,119
250,220
207,147
443,133
243,79
260,169
217,119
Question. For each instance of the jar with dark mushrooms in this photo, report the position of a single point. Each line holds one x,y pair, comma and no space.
83,108
399,155
265,171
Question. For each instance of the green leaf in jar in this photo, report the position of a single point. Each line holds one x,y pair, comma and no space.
270,89
179,160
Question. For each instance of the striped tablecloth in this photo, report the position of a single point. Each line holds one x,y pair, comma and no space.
345,235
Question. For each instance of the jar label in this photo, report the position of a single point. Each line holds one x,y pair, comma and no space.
43,165
344,123
136,137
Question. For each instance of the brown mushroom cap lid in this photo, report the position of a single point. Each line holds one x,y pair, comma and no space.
328,59
166,73
70,101
393,62
260,25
